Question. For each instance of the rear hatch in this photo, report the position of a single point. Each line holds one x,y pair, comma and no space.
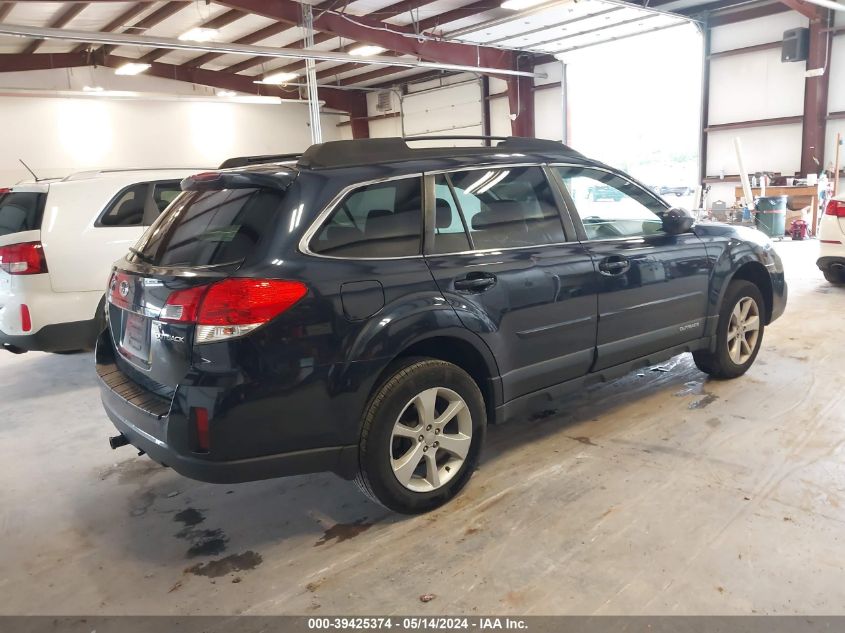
185,281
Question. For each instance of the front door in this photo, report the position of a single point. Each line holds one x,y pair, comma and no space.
652,286
500,256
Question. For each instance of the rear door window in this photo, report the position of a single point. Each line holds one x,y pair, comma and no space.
502,208
21,211
127,207
212,227
378,220
164,193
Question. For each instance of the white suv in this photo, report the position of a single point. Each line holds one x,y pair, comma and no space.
58,239
832,241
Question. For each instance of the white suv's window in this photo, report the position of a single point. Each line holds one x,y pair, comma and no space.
20,211
127,208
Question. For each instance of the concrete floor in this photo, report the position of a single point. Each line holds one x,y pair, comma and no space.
658,494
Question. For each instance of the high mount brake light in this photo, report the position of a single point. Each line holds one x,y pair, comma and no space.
206,176
23,259
232,307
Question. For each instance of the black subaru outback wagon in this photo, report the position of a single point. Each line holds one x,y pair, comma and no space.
369,308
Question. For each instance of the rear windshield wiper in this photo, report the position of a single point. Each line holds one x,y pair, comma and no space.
140,255
233,262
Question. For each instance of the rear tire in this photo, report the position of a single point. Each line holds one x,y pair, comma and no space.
833,276
739,333
421,436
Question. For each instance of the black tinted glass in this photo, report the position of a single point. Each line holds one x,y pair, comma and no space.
127,207
379,220
211,227
164,193
449,232
20,211
508,207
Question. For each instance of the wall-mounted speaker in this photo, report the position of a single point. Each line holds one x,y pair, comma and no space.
796,45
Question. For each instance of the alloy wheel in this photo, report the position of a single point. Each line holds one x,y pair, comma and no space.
431,439
743,330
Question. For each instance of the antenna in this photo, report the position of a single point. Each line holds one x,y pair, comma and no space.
28,169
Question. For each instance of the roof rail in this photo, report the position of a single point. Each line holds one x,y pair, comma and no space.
246,161
379,150
93,173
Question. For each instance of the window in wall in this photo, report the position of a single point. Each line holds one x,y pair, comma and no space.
610,206
378,220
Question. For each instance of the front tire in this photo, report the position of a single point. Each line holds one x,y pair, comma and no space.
421,436
834,276
739,333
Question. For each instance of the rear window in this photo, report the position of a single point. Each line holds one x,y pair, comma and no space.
208,228
21,211
378,220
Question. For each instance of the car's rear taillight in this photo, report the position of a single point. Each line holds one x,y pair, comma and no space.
836,208
232,307
23,259
182,305
120,285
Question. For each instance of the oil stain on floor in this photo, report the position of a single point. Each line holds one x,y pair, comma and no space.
340,532
244,561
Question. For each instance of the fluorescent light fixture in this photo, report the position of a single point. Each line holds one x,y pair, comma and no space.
199,34
132,68
518,5
278,78
227,93
366,50
92,89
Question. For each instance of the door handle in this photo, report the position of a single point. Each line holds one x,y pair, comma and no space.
475,282
614,265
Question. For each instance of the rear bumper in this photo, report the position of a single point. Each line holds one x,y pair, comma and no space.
150,423
59,337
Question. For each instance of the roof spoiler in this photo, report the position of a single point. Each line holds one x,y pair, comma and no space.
246,161
375,150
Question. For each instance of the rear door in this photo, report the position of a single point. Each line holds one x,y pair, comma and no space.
101,219
652,286
500,255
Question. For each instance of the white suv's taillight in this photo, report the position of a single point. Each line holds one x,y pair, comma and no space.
23,259
836,208
232,307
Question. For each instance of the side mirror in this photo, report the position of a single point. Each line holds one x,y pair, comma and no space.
677,221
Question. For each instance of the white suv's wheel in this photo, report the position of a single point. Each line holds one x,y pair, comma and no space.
421,436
